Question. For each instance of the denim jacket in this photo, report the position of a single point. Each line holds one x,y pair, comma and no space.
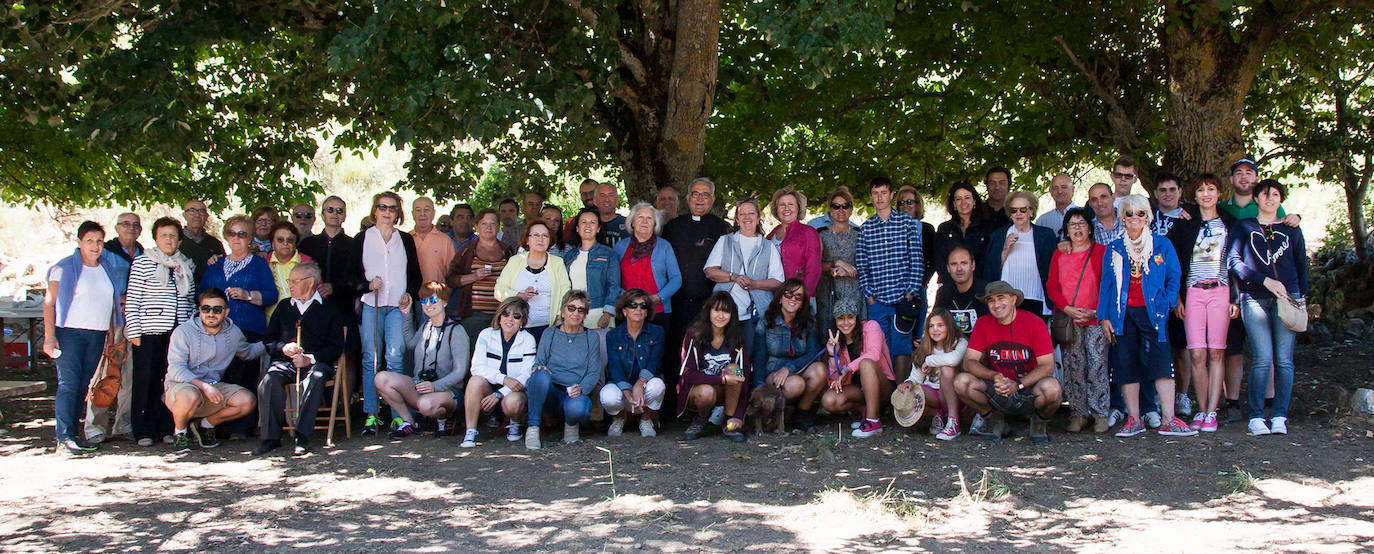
777,348
624,354
1159,285
603,274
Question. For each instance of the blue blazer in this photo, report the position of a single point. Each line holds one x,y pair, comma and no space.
1045,243
603,275
666,273
1159,284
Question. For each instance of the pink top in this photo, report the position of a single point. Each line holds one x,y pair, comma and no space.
388,261
801,253
875,349
435,250
1063,281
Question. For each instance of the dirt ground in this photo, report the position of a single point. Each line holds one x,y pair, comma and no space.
1312,490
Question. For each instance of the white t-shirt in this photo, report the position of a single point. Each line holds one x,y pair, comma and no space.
539,303
747,246
1020,269
92,301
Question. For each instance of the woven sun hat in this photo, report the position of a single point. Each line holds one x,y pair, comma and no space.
907,405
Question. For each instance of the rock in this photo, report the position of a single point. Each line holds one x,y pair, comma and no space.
1318,332
1356,327
1365,314
1362,402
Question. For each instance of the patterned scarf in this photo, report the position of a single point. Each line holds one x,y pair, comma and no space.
177,265
231,267
640,250
1140,248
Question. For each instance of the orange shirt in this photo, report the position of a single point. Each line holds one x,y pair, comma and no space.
435,250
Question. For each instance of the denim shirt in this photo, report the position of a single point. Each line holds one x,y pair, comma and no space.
625,355
780,349
603,275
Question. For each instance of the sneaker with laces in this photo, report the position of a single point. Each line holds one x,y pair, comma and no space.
694,431
617,426
859,421
532,438
1152,420
937,424
370,425
469,439
646,428
951,430
1183,405
445,429
1257,427
1176,428
571,434
405,429
205,436
181,443
1131,428
513,431
979,426
1278,426
1115,416
1209,424
868,428
70,448
1198,419
396,423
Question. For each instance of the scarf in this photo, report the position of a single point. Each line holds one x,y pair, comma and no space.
231,267
640,250
263,245
1139,249
177,265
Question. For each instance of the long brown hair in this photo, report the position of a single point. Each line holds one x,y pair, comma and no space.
702,326
928,346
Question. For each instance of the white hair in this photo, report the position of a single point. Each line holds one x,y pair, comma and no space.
708,182
658,217
1136,202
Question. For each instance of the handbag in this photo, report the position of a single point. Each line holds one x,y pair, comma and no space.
106,388
1292,312
1061,324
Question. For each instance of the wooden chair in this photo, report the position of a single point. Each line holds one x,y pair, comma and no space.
329,415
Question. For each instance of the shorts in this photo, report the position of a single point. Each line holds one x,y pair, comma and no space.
939,400
1138,354
1021,403
206,408
898,344
1209,318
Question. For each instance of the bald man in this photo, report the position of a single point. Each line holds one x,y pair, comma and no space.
432,246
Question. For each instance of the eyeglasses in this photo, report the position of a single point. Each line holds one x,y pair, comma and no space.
291,281
1137,214
304,215
513,315
699,194
208,309
333,210
431,299
236,234
1124,176
1021,210
841,206
576,309
1078,224
287,239
906,202
388,207
793,295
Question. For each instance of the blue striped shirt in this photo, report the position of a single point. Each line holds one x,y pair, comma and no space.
889,256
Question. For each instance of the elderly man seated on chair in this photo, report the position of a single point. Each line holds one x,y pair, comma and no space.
305,336
197,354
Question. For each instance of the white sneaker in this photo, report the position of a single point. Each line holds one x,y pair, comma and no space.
513,431
937,424
717,415
145,442
570,434
617,426
646,428
1116,416
1184,406
1257,427
1278,426
1152,420
532,438
469,439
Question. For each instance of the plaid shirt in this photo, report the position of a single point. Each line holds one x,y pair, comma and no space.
1105,236
889,256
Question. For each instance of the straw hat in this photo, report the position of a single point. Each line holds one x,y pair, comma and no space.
907,405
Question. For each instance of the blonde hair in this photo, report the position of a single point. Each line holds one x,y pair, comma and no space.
1031,199
796,195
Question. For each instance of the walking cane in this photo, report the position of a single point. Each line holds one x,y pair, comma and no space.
299,410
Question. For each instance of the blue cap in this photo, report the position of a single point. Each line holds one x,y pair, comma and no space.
1245,161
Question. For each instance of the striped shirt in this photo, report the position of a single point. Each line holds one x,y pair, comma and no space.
152,308
890,259
1209,254
484,290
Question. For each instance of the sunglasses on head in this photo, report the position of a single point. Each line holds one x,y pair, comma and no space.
577,309
513,315
236,234
208,309
333,210
637,306
841,206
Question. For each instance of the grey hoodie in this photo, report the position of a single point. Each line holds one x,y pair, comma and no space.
196,354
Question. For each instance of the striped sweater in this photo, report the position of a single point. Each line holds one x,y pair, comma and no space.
152,308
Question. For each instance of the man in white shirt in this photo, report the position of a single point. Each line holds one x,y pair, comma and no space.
1061,190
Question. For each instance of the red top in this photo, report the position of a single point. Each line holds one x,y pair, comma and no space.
639,274
1064,281
1135,295
801,253
1011,349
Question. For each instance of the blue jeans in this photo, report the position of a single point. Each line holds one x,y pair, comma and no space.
1270,344
391,336
543,395
81,351
898,344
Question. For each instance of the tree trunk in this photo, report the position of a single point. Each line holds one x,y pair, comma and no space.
691,92
1356,190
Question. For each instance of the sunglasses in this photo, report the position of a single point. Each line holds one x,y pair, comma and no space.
792,295
304,215
1127,176
1137,214
236,234
387,207
841,206
431,299
513,315
637,306
333,210
576,309
1021,210
906,202
207,309
288,239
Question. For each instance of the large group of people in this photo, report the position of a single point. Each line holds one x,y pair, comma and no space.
484,319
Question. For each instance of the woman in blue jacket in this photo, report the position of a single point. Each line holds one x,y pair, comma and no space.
648,263
634,350
787,348
1140,280
1020,254
593,267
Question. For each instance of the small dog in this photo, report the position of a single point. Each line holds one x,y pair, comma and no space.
766,404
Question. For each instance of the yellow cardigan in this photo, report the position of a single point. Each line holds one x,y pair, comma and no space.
558,272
